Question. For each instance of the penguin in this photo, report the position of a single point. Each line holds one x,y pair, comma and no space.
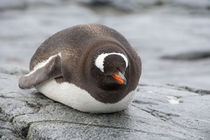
89,67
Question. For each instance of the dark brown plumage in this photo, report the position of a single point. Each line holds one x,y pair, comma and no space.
79,46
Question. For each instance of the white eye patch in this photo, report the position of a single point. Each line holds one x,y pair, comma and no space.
99,62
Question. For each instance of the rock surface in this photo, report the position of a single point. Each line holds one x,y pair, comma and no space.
152,114
172,101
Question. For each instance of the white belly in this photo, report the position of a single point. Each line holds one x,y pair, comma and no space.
79,99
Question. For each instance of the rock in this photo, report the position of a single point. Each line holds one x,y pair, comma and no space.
190,56
123,5
7,131
117,5
139,5
46,2
12,4
11,70
26,113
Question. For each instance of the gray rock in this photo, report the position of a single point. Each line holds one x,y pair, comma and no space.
30,114
139,5
12,4
123,5
190,56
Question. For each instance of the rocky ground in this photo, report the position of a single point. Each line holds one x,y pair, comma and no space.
173,97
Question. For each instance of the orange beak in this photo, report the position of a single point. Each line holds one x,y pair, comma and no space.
120,78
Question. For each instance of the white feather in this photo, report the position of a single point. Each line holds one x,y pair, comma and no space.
99,62
77,98
42,64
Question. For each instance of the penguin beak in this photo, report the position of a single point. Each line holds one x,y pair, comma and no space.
120,78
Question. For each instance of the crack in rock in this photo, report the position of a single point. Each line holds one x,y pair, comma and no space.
6,128
186,88
6,97
162,115
24,131
143,102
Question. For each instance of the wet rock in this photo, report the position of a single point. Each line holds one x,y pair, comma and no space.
118,5
12,4
198,91
23,4
189,56
98,2
25,113
46,2
13,70
123,5
137,5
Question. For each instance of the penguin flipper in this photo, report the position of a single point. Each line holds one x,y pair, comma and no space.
50,69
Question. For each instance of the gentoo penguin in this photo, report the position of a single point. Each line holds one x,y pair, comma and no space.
91,68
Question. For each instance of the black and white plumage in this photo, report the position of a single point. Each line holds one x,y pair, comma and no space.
90,67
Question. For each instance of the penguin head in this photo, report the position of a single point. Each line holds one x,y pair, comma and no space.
111,69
